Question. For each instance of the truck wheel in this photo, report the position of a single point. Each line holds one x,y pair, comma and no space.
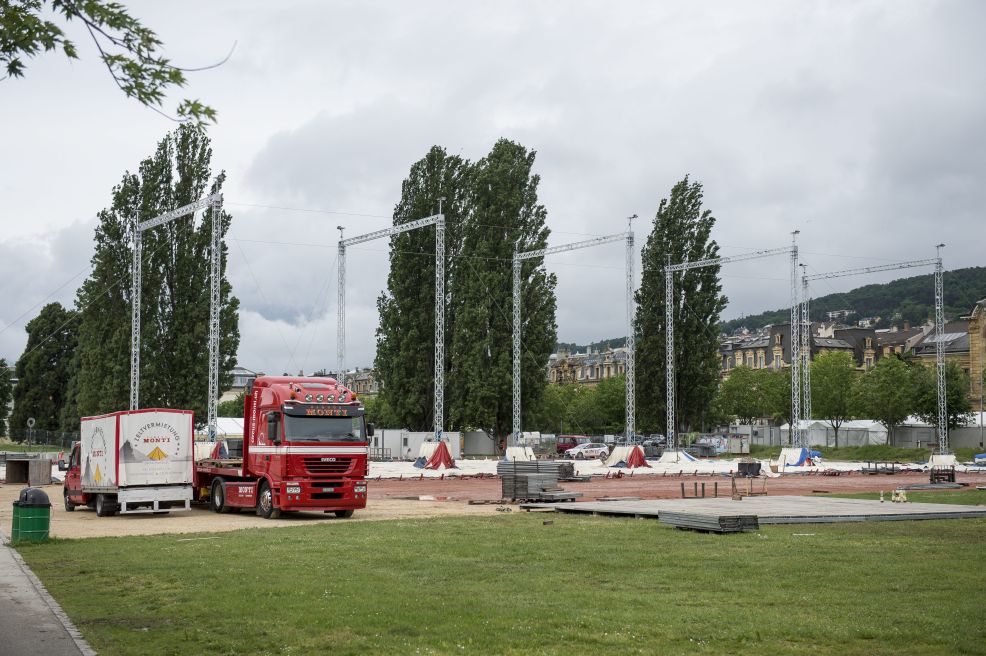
104,507
69,506
265,502
344,514
217,498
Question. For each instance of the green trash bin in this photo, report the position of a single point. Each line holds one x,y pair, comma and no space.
32,516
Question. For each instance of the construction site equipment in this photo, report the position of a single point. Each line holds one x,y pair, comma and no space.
695,490
710,523
28,470
437,220
941,426
670,306
215,203
532,480
518,258
942,474
746,488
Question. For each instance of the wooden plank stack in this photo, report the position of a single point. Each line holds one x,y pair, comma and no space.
710,522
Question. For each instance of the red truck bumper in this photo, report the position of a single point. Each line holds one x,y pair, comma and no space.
345,494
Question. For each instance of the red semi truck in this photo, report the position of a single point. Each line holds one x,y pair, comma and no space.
304,447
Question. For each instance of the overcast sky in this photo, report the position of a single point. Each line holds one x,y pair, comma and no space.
859,123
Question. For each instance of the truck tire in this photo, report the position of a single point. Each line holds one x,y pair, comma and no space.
344,514
104,506
69,506
265,502
217,498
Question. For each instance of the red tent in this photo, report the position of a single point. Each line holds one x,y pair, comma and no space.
636,458
440,458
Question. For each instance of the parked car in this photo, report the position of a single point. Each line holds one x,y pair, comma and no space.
588,450
652,448
565,442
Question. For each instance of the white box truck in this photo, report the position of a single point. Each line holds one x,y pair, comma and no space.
131,462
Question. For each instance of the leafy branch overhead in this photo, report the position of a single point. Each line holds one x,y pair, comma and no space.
130,51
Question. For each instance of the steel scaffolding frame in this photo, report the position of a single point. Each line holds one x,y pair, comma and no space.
669,304
631,341
213,201
936,262
437,220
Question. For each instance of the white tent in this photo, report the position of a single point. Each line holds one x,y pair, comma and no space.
855,432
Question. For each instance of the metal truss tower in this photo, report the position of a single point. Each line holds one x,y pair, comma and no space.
518,258
214,202
670,306
796,434
936,262
807,342
437,220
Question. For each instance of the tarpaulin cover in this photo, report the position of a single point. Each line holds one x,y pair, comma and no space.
440,456
795,458
676,456
636,458
518,453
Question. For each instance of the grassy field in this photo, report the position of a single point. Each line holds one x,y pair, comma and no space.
879,452
511,585
969,497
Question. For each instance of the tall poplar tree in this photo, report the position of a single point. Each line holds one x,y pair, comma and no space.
5,395
503,215
175,288
43,369
681,232
405,357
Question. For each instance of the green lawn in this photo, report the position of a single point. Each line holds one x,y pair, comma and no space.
510,585
969,497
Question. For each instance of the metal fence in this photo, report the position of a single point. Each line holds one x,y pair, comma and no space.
36,437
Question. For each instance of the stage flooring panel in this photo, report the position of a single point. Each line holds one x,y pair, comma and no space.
775,510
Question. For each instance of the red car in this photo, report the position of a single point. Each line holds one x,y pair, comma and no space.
565,442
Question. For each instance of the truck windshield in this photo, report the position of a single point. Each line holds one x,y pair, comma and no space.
323,429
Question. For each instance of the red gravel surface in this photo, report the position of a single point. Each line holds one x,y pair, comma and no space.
649,486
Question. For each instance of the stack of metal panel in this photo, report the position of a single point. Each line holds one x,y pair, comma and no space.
527,479
710,522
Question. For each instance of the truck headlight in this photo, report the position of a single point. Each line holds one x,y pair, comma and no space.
360,488
294,489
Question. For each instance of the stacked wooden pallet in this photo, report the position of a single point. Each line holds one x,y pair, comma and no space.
710,522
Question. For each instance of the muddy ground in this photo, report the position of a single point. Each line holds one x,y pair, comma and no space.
412,498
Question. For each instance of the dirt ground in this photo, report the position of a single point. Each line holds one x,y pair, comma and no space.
413,498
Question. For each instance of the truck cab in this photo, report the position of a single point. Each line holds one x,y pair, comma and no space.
305,447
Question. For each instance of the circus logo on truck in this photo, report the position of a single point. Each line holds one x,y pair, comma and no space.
98,467
155,448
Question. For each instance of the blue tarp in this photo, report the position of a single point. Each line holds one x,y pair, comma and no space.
421,462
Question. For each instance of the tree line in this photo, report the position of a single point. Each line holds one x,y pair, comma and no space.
894,389
77,360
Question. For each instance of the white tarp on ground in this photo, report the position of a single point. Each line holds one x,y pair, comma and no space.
519,453
676,458
619,454
938,460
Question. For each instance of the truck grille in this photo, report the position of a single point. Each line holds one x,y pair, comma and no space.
338,466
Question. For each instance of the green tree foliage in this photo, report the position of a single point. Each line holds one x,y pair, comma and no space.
832,376
554,411
503,214
5,395
681,233
576,409
956,395
130,51
908,299
231,408
43,369
175,288
379,412
745,394
405,358
886,393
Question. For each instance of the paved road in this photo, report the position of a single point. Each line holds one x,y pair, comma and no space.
31,622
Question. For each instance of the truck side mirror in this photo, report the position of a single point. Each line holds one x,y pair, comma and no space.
62,466
273,434
369,430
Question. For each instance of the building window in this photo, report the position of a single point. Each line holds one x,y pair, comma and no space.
868,362
777,361
777,340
